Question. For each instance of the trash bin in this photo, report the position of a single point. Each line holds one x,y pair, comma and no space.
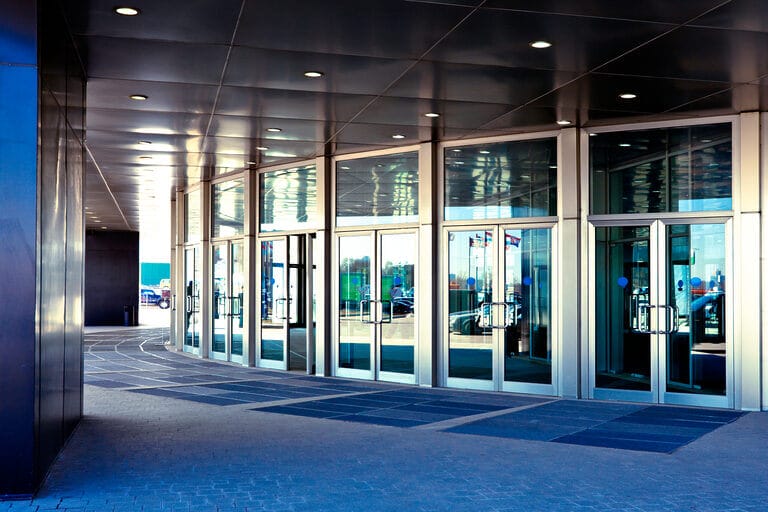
129,316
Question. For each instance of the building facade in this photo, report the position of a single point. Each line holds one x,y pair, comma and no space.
620,262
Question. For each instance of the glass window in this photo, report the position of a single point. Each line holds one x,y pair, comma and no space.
663,170
228,208
378,190
288,198
192,229
501,180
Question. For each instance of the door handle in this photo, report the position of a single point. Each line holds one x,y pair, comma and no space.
644,319
673,319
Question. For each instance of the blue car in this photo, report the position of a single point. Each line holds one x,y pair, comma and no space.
149,296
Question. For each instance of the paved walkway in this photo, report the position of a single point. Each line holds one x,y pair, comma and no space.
166,432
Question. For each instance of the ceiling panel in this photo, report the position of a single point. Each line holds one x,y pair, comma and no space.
501,38
275,69
461,82
700,54
162,96
374,28
157,61
661,11
737,15
168,20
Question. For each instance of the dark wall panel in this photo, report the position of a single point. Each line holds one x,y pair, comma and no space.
111,275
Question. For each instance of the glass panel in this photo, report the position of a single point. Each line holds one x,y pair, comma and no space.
502,180
219,311
355,336
288,198
378,190
527,338
297,318
664,170
193,278
622,313
398,296
236,300
696,290
192,230
470,284
228,208
274,299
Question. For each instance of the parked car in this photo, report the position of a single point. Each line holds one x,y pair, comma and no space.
150,296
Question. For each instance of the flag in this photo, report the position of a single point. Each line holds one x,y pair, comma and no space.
511,241
488,238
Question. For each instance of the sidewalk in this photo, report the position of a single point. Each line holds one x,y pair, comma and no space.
167,432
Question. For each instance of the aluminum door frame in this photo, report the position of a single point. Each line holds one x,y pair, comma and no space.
497,382
221,356
269,363
189,305
657,297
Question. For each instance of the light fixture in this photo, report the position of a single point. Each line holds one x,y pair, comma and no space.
313,74
398,136
250,162
274,130
563,122
262,148
103,227
431,114
145,157
144,142
456,150
345,167
593,135
459,163
627,96
485,152
553,167
139,97
625,145
706,141
539,45
126,11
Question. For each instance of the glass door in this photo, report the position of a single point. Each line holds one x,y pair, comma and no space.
193,277
227,301
659,329
499,309
285,310
377,310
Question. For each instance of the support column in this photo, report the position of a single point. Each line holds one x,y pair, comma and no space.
428,290
324,240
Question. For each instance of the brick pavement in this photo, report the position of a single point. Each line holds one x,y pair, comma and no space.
136,451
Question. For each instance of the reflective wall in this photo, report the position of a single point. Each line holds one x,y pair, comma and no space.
41,223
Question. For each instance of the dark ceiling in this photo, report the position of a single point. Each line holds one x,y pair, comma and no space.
218,73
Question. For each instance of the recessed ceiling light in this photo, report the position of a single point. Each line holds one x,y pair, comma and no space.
97,221
485,152
345,167
126,11
250,162
459,163
431,114
262,148
625,145
145,142
593,135
313,74
274,130
456,150
563,122
398,136
540,44
706,140
553,167
145,157
139,97
627,96
103,227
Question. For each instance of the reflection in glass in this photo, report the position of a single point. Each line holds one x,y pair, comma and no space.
527,337
663,170
696,290
377,190
288,198
228,208
623,308
398,294
193,278
219,310
192,229
470,284
237,304
501,180
355,336
274,299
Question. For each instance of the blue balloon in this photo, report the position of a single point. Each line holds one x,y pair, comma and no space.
470,281
527,281
623,281
712,283
696,282
680,283
398,280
